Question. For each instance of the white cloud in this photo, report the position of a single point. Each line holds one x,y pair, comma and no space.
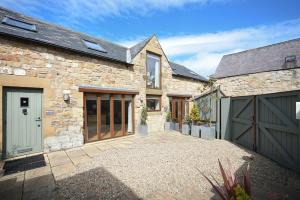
203,52
72,11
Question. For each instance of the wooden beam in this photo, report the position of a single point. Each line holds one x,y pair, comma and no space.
123,114
85,119
99,117
133,114
112,125
108,91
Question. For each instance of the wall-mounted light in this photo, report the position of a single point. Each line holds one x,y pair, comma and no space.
66,95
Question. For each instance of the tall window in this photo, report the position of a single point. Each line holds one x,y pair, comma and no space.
153,71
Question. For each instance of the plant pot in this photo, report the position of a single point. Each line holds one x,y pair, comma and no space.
186,130
196,132
169,126
143,129
207,132
176,127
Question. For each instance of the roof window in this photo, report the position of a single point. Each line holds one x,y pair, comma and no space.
94,46
290,59
19,24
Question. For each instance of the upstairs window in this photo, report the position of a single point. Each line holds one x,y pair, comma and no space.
153,102
153,71
94,46
19,24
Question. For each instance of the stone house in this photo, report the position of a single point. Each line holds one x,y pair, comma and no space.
60,88
270,69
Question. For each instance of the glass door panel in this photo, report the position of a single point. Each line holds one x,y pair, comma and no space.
105,117
91,111
117,116
128,115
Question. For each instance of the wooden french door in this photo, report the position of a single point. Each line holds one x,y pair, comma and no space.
179,108
108,116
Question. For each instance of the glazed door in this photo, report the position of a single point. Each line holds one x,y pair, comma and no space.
22,121
108,116
179,108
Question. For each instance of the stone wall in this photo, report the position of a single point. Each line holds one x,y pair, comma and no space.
170,84
261,83
25,64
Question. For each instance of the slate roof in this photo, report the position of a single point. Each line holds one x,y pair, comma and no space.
58,36
54,35
139,47
263,59
180,70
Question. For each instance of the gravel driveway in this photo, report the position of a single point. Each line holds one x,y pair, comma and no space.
168,166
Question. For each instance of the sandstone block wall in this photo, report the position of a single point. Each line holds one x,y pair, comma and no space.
261,83
25,64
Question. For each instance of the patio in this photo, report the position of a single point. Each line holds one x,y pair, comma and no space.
161,166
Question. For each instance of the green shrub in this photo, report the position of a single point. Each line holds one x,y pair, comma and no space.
169,117
144,115
187,119
195,115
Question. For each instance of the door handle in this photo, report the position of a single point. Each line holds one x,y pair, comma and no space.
38,119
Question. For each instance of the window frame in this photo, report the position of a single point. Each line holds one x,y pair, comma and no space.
160,71
159,98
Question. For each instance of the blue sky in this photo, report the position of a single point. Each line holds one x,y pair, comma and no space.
196,33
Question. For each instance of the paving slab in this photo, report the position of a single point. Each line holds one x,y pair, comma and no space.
63,170
104,147
58,158
81,160
39,187
11,186
91,150
75,153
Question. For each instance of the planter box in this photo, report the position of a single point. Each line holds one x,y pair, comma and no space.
196,132
208,132
186,130
176,127
143,130
169,126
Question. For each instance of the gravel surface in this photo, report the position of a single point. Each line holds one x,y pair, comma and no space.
169,166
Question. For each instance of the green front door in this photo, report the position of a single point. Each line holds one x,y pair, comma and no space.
22,121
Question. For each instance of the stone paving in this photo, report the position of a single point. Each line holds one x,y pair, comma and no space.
161,166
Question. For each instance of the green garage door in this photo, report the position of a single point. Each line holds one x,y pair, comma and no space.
268,125
22,121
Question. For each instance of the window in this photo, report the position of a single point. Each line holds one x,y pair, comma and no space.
24,102
19,24
153,103
153,71
94,46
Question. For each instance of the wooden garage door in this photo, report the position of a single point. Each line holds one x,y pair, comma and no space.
242,112
267,124
278,130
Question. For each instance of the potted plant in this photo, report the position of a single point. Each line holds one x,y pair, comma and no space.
208,130
195,117
176,125
169,125
143,128
186,126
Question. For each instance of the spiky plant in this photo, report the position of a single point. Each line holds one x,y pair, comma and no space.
232,189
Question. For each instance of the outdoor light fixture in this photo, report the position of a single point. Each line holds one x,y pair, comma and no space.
66,95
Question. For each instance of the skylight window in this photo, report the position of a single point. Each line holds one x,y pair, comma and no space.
193,73
19,24
94,46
